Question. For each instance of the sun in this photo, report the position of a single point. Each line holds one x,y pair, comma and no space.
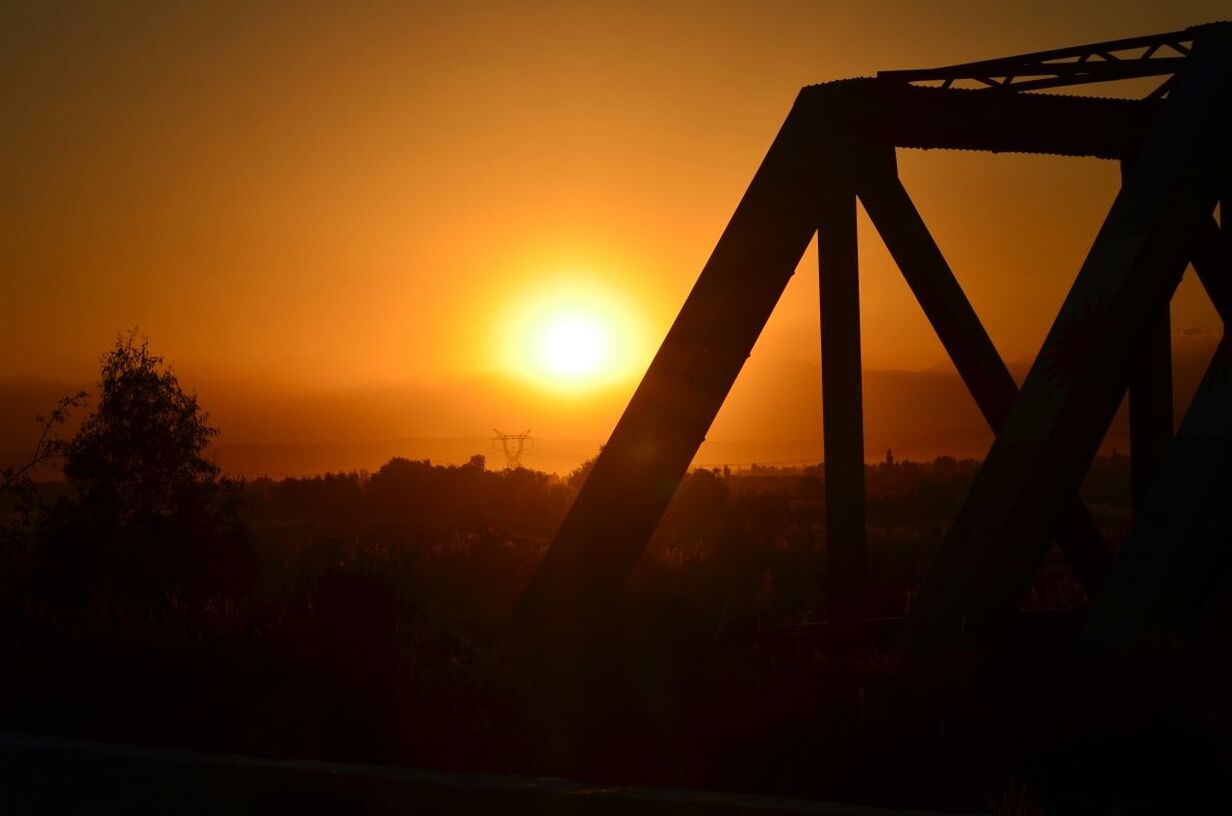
571,336
574,346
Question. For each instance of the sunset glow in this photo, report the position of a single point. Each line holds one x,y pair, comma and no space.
414,222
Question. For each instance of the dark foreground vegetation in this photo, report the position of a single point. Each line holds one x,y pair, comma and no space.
361,617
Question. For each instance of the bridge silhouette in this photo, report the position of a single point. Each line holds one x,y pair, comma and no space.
1111,336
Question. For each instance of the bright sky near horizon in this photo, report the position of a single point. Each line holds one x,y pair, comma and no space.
357,196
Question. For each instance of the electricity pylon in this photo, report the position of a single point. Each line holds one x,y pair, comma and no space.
512,445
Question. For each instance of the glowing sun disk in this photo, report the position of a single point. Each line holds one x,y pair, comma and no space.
571,336
573,346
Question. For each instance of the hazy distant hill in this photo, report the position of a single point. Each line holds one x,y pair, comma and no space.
773,416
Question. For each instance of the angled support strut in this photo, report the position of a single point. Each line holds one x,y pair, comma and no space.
970,348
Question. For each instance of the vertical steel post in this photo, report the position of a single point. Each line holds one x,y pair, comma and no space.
842,405
1150,407
1150,403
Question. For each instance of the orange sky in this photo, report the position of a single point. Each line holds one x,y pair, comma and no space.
319,205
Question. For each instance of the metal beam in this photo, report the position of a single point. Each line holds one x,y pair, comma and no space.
577,585
970,348
1150,402
842,405
890,113
1000,536
1027,76
1178,558
1150,407
1151,55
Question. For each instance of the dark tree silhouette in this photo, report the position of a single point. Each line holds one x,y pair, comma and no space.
149,515
139,453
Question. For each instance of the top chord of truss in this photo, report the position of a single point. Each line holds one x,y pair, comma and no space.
1155,55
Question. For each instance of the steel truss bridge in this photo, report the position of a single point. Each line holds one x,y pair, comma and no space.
1111,336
